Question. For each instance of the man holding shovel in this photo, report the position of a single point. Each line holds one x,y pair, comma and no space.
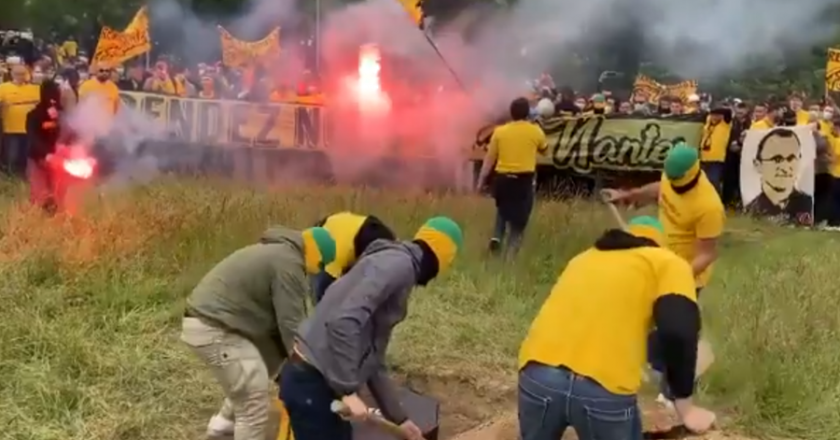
581,362
241,319
693,217
341,347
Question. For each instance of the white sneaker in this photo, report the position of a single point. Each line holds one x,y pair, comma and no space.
667,404
220,427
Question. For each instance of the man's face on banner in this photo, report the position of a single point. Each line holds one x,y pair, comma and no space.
778,164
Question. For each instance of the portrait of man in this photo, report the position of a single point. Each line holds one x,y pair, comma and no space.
777,173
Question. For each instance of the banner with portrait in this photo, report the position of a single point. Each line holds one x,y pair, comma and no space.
653,91
777,174
239,53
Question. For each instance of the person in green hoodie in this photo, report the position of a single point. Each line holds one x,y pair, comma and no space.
241,320
341,347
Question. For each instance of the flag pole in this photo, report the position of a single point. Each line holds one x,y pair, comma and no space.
445,63
317,37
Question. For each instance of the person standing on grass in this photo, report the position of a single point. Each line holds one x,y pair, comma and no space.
17,99
42,126
693,217
341,347
512,154
352,233
581,363
241,320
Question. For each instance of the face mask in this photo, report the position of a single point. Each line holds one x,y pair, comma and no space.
639,107
828,115
533,112
704,106
580,105
84,75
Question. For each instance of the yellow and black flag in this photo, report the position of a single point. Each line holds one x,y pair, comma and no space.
832,70
415,10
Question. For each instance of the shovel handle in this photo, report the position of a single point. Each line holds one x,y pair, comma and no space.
614,211
338,407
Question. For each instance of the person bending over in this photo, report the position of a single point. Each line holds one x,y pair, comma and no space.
581,363
241,318
353,233
341,347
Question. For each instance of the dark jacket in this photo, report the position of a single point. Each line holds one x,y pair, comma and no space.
44,130
347,336
130,85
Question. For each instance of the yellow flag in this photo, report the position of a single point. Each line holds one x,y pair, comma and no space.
414,9
647,87
682,90
238,53
115,47
832,70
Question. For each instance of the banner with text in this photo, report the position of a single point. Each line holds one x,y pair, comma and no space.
215,122
618,143
115,47
239,53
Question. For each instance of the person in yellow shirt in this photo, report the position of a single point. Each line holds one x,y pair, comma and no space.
101,87
690,210
714,144
762,118
160,82
512,154
795,103
590,336
17,99
352,233
833,223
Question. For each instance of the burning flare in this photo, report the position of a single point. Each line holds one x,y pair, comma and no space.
369,87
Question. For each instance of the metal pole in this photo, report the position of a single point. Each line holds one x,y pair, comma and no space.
318,37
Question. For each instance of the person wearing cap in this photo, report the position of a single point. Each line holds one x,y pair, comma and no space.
590,336
512,155
714,145
691,212
241,318
352,233
341,346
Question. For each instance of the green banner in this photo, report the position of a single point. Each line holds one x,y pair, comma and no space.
616,143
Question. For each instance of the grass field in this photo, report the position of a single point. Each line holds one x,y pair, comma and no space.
90,310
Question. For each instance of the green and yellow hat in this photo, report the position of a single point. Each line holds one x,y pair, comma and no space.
645,226
444,238
682,164
318,249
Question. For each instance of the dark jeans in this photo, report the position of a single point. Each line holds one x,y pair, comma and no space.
15,150
320,283
552,399
714,172
307,398
824,198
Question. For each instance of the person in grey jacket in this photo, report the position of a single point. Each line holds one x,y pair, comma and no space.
341,347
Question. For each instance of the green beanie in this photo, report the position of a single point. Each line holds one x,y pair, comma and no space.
444,238
646,220
599,98
324,242
680,160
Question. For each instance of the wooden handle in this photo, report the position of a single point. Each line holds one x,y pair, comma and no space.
614,211
375,418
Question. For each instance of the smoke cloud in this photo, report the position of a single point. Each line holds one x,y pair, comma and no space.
493,54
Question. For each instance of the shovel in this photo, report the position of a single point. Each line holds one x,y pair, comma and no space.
375,419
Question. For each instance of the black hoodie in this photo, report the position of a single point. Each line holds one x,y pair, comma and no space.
44,130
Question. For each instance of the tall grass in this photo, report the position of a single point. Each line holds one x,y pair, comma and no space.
90,307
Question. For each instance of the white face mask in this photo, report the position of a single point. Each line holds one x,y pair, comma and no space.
828,115
84,75
37,77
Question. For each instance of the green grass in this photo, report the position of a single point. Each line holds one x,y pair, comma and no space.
90,308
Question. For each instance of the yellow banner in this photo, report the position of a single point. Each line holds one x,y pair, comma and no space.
619,143
414,8
238,53
115,47
654,91
832,70
233,123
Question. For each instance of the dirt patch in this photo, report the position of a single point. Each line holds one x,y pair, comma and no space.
471,411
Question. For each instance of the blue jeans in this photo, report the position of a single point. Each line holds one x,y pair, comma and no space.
552,399
320,283
714,172
15,153
307,398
